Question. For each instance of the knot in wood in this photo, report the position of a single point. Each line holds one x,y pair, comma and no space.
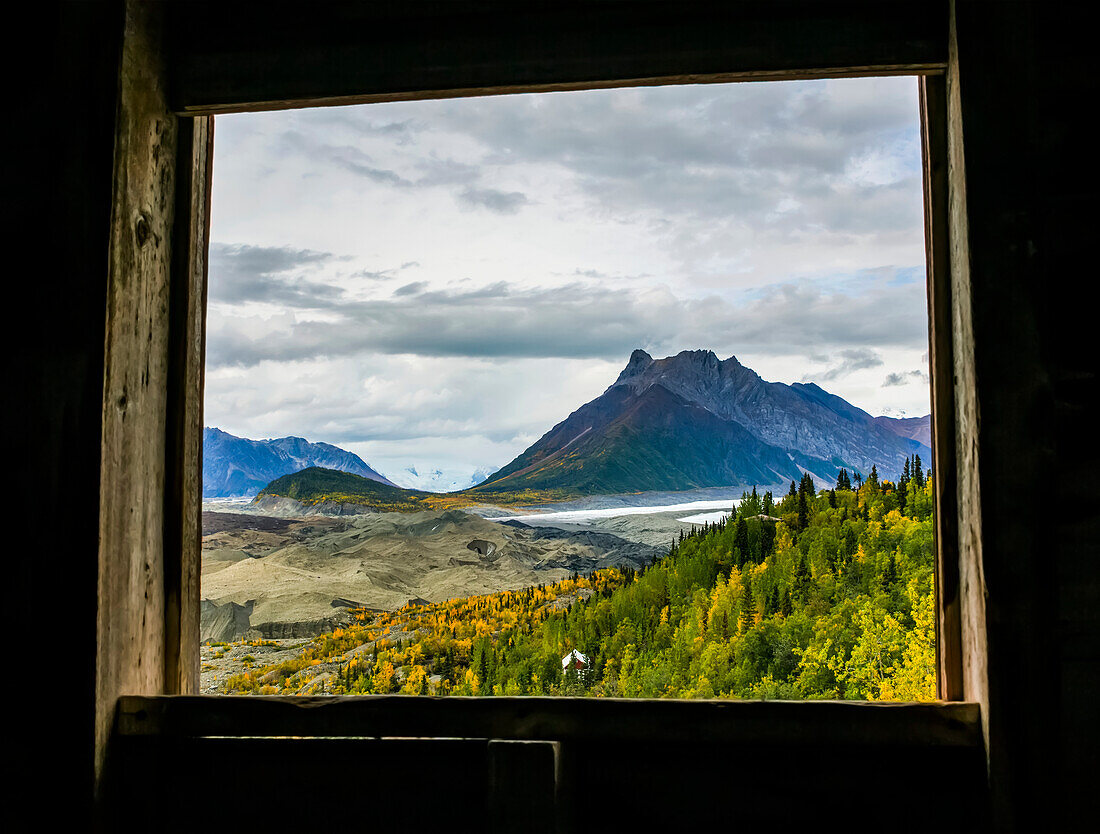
141,229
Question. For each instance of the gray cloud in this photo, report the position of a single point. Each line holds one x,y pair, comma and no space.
600,275
414,288
240,273
346,157
585,320
853,359
502,202
384,274
446,172
729,185
715,150
905,378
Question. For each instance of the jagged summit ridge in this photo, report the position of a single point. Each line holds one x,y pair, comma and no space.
698,376
693,420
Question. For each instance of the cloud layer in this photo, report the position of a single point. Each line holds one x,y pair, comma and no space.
442,281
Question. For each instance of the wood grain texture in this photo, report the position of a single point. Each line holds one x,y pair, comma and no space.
564,719
972,590
933,98
183,447
131,609
279,55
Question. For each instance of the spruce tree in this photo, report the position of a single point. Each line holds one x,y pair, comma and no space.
843,481
903,486
801,577
807,485
744,616
767,539
890,574
741,541
768,507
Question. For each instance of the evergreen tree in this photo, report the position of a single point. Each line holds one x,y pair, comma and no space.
890,574
771,602
801,578
767,539
741,541
768,507
750,504
903,486
843,481
744,616
807,485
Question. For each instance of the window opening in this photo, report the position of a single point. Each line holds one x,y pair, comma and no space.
510,357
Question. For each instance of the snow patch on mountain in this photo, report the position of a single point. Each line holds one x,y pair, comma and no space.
434,479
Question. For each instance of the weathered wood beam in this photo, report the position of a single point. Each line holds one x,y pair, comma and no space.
183,447
130,623
248,56
827,723
972,589
933,97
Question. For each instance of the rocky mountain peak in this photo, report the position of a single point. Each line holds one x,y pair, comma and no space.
693,420
690,373
639,362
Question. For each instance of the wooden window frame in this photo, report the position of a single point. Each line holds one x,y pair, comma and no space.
177,73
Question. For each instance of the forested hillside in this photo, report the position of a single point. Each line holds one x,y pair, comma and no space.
825,594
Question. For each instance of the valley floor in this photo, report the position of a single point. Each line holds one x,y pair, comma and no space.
266,577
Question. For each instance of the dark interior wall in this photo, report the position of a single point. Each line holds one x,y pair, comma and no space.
1028,86
65,67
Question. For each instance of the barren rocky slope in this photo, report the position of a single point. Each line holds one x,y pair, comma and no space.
281,577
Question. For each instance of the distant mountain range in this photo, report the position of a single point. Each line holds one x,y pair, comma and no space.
236,466
692,420
436,480
915,428
685,422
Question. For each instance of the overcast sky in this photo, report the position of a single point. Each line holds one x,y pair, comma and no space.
437,283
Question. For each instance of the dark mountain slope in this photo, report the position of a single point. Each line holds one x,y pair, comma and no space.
799,417
326,490
234,466
915,428
691,421
656,440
